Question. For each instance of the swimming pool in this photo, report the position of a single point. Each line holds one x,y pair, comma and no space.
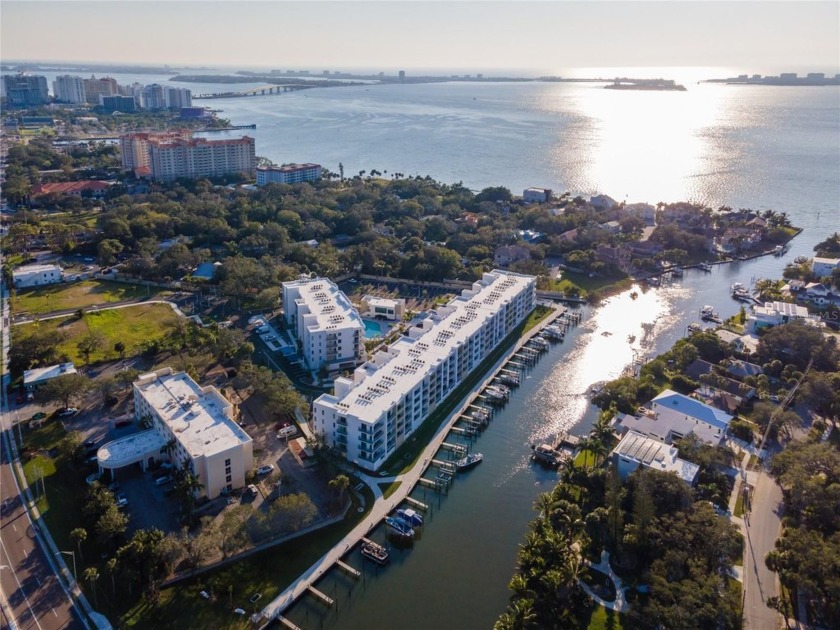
373,329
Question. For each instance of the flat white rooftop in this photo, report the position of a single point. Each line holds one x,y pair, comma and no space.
781,308
130,449
406,362
198,418
328,303
372,300
27,269
38,375
654,454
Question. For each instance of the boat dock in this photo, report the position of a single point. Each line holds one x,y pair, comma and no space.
443,445
287,623
348,569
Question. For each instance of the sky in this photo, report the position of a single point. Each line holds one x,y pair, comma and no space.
539,37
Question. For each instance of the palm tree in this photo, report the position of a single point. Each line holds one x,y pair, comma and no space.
91,575
111,566
339,485
79,535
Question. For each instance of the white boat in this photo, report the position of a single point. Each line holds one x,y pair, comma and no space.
465,463
707,312
705,266
410,516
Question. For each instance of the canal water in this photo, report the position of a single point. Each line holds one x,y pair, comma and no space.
456,573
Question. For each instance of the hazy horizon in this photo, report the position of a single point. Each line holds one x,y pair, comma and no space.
518,37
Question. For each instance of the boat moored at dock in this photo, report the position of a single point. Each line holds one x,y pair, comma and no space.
410,516
547,455
470,461
399,527
375,553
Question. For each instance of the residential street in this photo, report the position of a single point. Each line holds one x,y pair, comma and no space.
762,526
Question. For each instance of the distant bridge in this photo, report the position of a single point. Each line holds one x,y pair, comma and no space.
260,91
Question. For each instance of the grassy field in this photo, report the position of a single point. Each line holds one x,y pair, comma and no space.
132,325
586,285
57,297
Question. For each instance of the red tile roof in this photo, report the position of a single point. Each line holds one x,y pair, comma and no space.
67,188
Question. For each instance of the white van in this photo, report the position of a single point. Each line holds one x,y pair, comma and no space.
287,432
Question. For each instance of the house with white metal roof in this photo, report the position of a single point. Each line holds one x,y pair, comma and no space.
635,450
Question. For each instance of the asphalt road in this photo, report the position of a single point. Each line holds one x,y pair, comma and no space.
763,525
35,598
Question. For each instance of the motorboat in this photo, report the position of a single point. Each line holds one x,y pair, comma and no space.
375,553
705,266
546,454
410,516
694,327
471,460
399,527
708,312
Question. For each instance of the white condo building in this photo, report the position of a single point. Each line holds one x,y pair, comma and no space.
328,328
288,174
202,423
69,89
369,416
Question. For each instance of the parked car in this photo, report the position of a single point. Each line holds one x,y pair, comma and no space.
69,411
253,489
89,443
264,470
122,500
162,481
38,416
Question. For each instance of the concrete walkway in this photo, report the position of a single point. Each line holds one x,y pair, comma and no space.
381,507
620,604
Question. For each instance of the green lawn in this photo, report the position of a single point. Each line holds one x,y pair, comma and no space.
739,503
603,619
389,488
58,297
586,285
132,325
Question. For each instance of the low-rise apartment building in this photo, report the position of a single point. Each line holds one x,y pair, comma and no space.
36,275
370,415
196,426
326,325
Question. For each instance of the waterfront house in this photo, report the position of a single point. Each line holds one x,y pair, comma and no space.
635,450
536,195
822,267
643,211
775,313
604,202
672,416
817,293
618,257
745,343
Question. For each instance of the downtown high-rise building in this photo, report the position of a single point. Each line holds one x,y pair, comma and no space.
25,90
69,89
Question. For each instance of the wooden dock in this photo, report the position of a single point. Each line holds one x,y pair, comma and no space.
325,599
287,623
348,569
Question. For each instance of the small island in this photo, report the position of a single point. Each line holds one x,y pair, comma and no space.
645,84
